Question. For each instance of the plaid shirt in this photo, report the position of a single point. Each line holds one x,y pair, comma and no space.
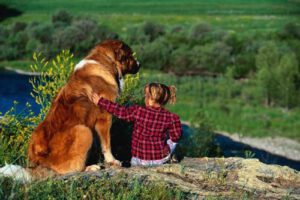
151,129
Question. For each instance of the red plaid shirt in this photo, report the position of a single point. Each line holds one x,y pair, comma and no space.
151,129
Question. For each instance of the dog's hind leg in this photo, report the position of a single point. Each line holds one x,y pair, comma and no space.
71,149
102,127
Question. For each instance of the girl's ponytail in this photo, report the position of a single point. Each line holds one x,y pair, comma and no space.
172,98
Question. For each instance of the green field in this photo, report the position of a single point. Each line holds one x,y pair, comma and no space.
231,14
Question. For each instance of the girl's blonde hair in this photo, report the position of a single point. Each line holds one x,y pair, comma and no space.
162,94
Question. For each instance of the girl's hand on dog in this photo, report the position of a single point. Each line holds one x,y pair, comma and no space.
95,98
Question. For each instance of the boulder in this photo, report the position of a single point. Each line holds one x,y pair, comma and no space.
229,178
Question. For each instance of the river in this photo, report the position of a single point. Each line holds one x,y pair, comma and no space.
15,87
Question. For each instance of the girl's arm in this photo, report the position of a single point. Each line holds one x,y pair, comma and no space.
122,112
175,130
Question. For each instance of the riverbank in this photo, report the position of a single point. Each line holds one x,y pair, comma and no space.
280,146
22,72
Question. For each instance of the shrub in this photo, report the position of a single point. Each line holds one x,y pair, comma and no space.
62,16
198,140
8,52
4,33
199,32
90,33
214,57
17,27
180,60
42,33
15,129
134,35
153,30
290,30
155,55
32,45
67,38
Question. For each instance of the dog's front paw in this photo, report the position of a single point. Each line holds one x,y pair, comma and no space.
92,168
115,163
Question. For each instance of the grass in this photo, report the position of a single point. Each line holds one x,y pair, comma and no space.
93,187
234,15
17,64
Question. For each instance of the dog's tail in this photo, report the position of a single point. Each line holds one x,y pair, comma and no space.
16,172
24,175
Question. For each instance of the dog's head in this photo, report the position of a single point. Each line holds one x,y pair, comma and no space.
121,54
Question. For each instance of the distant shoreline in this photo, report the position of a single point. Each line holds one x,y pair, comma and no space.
19,71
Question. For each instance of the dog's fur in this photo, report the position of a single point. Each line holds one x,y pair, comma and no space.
62,141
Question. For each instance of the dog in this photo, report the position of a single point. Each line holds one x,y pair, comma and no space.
61,142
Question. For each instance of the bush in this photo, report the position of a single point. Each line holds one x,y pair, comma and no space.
290,30
8,52
18,27
67,38
199,32
153,30
134,35
90,34
214,57
62,16
155,55
42,33
4,33
198,140
180,60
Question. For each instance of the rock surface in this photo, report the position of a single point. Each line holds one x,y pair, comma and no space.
229,178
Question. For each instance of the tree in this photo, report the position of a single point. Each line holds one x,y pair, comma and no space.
278,75
287,74
266,61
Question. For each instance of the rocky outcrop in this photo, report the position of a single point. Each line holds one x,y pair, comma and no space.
229,178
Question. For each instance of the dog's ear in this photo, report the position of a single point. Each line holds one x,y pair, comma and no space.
121,53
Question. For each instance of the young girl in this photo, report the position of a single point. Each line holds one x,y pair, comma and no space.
156,131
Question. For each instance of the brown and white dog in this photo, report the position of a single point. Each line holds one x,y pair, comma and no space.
62,141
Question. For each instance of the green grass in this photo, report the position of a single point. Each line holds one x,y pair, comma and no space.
93,187
17,64
232,15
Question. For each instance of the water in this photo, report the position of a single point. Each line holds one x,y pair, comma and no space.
15,87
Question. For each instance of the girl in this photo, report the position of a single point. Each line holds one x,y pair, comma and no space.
153,124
